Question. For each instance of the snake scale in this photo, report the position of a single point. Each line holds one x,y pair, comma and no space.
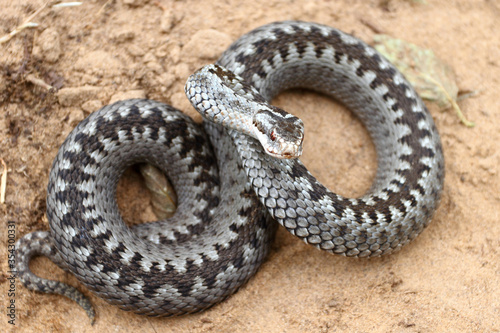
230,192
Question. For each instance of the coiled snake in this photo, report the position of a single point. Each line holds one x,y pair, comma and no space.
221,233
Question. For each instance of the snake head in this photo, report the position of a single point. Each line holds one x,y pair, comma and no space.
227,99
280,133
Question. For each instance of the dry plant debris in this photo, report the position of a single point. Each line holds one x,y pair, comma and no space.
432,78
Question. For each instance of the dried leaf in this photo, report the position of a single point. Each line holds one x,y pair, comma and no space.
433,79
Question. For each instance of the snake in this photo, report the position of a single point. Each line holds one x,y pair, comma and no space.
235,177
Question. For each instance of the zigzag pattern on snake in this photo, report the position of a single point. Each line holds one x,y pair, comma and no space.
222,228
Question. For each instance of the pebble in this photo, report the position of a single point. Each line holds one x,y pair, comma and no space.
120,96
75,116
207,44
48,45
91,105
123,35
175,53
168,20
136,50
182,71
76,96
166,80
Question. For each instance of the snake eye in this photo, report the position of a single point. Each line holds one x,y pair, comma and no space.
273,135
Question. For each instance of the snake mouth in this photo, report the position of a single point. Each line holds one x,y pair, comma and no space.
288,156
286,153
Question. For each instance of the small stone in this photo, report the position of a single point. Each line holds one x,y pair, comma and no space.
175,53
75,116
92,105
48,45
207,44
136,50
168,20
76,96
182,71
166,79
139,93
334,303
123,35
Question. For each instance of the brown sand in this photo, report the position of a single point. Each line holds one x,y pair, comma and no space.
445,281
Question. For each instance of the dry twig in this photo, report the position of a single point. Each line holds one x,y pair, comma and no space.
39,82
26,24
3,182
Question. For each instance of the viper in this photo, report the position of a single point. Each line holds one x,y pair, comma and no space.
237,177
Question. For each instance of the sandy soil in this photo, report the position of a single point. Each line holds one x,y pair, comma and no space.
448,280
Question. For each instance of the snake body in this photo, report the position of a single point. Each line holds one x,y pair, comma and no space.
222,228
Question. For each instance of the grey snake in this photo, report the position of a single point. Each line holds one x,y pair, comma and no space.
230,190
